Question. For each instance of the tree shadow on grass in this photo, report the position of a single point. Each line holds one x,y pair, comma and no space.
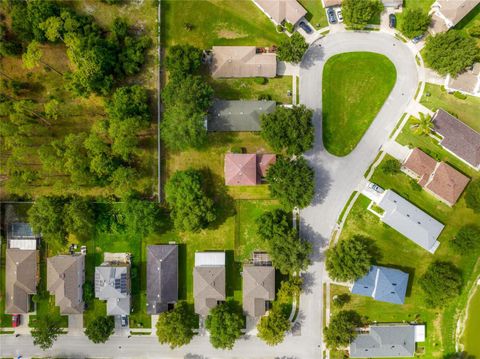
233,275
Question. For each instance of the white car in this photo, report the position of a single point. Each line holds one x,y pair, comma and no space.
375,187
339,15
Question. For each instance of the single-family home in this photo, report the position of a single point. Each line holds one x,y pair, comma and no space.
242,61
282,10
383,284
208,281
258,289
162,277
448,13
408,220
21,279
386,3
65,278
246,169
20,235
112,283
438,178
467,82
331,3
457,138
238,116
385,341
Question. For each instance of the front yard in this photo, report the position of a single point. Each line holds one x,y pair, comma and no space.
315,13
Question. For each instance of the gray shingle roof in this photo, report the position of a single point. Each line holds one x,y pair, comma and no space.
112,283
162,277
241,116
385,341
258,288
208,281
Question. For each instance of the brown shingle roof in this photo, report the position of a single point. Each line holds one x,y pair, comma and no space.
264,161
20,279
458,138
454,10
468,81
65,278
280,10
240,169
258,288
242,61
447,183
421,164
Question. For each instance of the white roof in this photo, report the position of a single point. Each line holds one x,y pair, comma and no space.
25,244
209,259
419,333
410,221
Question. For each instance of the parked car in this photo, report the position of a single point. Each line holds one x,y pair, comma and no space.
124,320
339,15
375,187
305,27
392,21
16,320
418,38
332,18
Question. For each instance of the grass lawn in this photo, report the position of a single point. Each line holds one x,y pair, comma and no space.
418,4
249,89
472,18
355,86
465,110
315,13
5,319
226,22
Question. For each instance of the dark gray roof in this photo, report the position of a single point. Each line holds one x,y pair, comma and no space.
385,341
383,284
162,277
241,116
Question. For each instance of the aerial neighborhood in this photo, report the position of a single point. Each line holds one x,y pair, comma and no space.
240,179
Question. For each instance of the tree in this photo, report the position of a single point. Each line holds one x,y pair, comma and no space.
288,129
100,329
472,196
273,222
391,167
183,59
450,52
188,90
289,253
175,327
123,181
466,240
423,125
52,109
46,217
79,217
53,28
31,58
192,209
292,182
139,217
475,29
292,49
46,331
272,327
349,259
75,159
289,289
358,13
28,15
341,299
414,22
225,323
341,331
441,283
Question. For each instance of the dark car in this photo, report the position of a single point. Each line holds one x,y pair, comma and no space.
305,27
418,38
392,21
124,320
332,18
15,320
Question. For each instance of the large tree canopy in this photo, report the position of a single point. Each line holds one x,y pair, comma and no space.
292,182
276,222
292,49
467,239
358,13
139,217
289,253
450,52
175,327
273,327
79,217
225,323
46,331
441,283
341,330
46,217
192,209
189,90
414,22
183,59
472,196
100,329
288,129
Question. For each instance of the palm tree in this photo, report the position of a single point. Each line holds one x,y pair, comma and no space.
423,125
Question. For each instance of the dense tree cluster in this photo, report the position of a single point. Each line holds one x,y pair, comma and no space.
472,196
225,322
100,329
358,13
466,240
414,22
341,330
175,327
441,283
292,49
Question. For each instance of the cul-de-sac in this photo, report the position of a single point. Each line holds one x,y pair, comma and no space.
243,179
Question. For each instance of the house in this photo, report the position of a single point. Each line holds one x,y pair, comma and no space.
383,284
282,10
258,289
112,283
331,3
238,116
208,281
384,341
246,169
21,279
448,13
20,235
468,82
65,278
392,3
409,220
162,277
457,138
242,61
438,178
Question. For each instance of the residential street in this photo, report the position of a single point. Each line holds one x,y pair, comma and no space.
336,178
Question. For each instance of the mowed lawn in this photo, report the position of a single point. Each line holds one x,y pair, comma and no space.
213,22
315,13
355,86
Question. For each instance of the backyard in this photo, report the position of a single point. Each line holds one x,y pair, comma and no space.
355,86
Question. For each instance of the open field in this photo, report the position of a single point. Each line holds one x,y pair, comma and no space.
315,13
355,86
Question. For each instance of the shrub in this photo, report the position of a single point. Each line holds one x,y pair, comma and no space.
264,97
341,299
460,95
472,196
289,27
467,239
414,185
391,167
261,80
236,149
279,28
441,283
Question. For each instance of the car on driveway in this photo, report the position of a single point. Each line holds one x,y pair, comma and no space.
392,21
332,18
16,320
375,187
305,27
418,38
339,15
124,321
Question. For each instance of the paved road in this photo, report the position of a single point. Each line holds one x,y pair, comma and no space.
336,179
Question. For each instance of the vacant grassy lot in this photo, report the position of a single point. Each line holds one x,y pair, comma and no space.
226,22
355,86
465,110
249,89
315,13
